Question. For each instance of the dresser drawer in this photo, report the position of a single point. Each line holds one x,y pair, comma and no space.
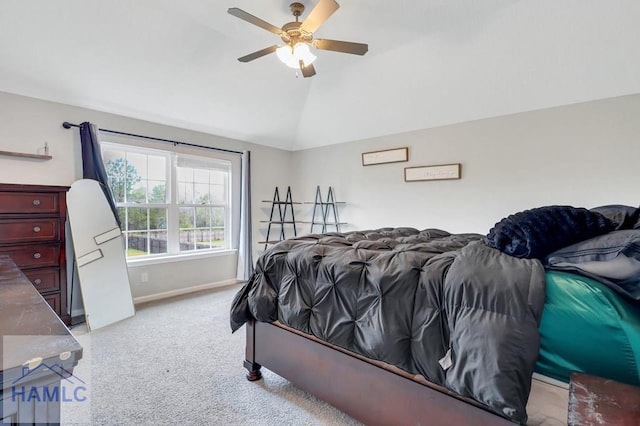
33,255
54,301
44,280
28,202
29,230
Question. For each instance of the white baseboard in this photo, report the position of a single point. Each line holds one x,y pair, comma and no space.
172,293
181,291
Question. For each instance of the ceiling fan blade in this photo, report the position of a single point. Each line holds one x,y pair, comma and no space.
258,54
341,46
308,71
239,13
319,15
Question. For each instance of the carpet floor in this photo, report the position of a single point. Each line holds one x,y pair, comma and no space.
176,362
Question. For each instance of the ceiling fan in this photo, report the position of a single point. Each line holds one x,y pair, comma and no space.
298,36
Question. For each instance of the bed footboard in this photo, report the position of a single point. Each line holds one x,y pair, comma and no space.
365,391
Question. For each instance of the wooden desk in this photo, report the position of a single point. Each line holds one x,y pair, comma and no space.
597,401
31,331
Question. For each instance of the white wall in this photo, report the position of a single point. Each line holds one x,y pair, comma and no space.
25,125
582,155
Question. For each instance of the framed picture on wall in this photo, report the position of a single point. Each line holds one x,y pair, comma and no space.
394,155
436,172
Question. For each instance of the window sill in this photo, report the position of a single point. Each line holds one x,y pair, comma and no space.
179,257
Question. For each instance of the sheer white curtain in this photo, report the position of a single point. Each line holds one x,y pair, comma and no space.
245,260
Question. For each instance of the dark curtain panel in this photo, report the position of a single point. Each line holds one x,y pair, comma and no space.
92,164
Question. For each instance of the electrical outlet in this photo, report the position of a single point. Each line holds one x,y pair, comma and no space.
144,277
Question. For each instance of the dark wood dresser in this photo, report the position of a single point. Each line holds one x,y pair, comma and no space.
37,353
32,233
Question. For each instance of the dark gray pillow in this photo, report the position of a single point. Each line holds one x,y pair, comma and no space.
613,259
623,217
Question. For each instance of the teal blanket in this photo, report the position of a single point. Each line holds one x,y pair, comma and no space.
589,328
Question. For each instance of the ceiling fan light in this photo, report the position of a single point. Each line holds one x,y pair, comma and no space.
284,53
302,53
291,57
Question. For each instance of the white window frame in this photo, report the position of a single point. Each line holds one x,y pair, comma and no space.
173,208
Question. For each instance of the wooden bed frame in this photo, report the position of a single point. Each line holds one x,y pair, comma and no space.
354,385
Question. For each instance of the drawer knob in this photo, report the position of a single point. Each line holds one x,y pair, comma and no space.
37,255
37,281
36,202
36,229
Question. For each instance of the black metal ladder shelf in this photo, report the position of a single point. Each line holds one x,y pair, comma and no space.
278,216
327,210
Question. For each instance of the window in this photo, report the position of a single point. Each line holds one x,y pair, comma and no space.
202,202
169,203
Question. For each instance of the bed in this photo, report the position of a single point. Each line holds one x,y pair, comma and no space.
401,326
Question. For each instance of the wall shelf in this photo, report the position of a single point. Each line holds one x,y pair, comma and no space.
25,155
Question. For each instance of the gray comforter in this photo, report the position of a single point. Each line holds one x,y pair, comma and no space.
448,307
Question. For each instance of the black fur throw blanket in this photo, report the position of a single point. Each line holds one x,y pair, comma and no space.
537,232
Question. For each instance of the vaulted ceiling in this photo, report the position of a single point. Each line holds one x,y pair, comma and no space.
430,63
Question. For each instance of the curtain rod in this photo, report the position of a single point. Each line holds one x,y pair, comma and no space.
68,125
